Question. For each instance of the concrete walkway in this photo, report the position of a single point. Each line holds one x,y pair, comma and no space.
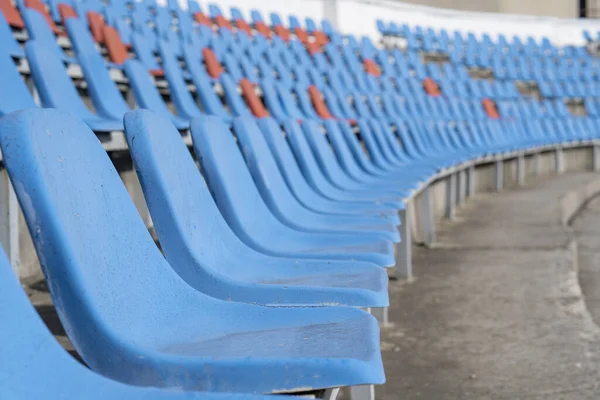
496,310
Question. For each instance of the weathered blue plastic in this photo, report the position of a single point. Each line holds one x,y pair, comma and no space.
56,89
108,100
146,95
280,199
8,43
39,30
14,94
245,211
336,175
314,174
205,252
182,98
206,93
34,365
127,312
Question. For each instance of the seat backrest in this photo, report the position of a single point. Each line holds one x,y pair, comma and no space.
14,94
229,179
52,82
107,99
117,50
27,348
40,7
208,97
190,227
145,92
236,105
11,14
180,95
39,31
106,276
8,42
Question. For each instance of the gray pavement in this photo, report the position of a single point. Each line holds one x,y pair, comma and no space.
496,310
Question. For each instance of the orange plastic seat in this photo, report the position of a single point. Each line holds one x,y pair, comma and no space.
371,67
302,35
117,50
66,11
282,32
157,72
320,38
243,26
96,22
11,14
222,22
490,108
254,103
313,48
262,29
318,103
431,87
213,66
202,19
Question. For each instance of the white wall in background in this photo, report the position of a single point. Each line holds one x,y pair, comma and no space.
300,8
358,16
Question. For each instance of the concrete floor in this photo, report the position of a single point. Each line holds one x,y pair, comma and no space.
495,310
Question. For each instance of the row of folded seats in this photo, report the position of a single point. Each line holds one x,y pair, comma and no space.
275,229
559,72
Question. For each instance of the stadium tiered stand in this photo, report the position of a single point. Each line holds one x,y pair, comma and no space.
285,168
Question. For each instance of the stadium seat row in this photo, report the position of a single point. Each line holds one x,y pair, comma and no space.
281,224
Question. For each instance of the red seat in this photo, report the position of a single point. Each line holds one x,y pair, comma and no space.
490,108
254,103
202,19
431,87
371,67
12,15
243,26
117,50
313,48
282,32
262,29
318,102
41,8
321,38
66,11
302,35
222,22
96,21
213,66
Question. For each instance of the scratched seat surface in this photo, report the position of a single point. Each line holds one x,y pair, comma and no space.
34,365
205,252
130,316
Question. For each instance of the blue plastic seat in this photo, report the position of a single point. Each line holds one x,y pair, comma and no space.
309,197
246,213
14,94
105,95
8,43
30,353
146,95
193,236
127,312
317,179
38,30
182,98
280,199
56,89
